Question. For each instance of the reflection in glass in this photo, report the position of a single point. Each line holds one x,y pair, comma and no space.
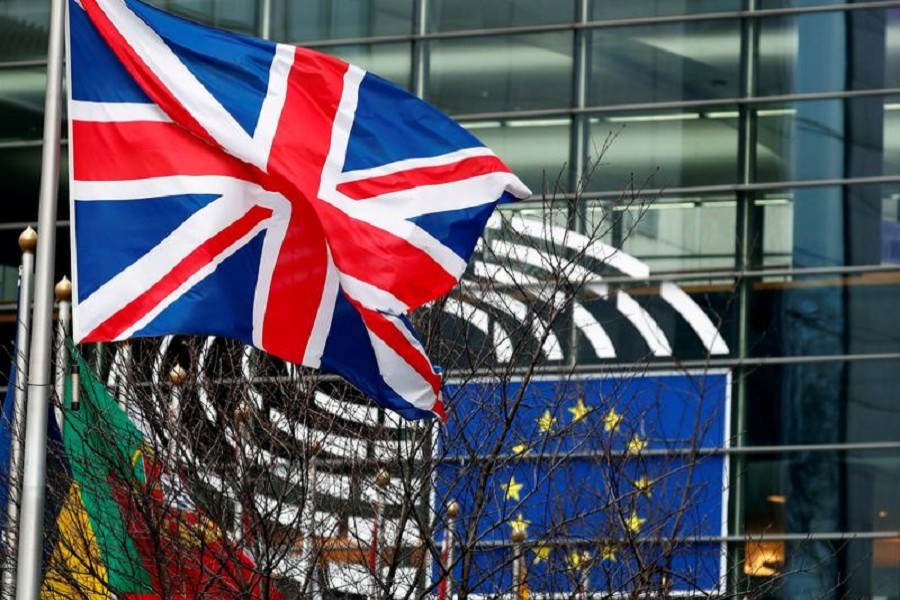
310,20
22,103
521,72
452,15
604,10
23,29
807,227
660,63
871,479
815,140
537,150
672,234
388,61
875,571
792,50
797,404
234,15
664,149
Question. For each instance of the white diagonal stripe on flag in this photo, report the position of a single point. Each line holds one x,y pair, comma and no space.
141,275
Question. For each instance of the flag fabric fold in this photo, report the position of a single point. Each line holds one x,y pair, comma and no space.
266,193
128,528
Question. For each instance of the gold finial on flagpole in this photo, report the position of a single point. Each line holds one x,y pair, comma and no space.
177,375
63,289
242,413
453,509
28,240
517,536
383,479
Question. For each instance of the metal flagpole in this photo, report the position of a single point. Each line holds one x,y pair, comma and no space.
382,480
445,588
31,524
308,524
27,243
63,293
518,565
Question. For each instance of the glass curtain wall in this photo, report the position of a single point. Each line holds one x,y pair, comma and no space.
761,139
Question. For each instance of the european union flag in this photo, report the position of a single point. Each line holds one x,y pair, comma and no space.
607,476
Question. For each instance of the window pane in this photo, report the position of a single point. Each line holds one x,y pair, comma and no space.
22,103
822,492
671,234
664,149
234,15
658,331
857,46
389,61
815,140
537,150
767,4
23,29
198,10
604,10
777,570
521,72
310,20
682,61
451,15
823,402
829,226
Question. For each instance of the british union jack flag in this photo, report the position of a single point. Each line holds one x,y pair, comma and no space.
226,185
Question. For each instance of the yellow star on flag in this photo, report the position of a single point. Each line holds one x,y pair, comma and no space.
578,560
579,411
642,486
520,524
541,553
608,552
612,420
520,449
512,489
636,445
546,422
634,523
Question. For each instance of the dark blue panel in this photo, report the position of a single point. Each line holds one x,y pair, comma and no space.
459,230
392,124
139,225
97,75
348,353
221,304
233,67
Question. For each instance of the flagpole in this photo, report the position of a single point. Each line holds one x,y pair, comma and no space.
445,586
63,292
31,524
27,243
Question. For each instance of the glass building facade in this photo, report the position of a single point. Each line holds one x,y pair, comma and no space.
762,139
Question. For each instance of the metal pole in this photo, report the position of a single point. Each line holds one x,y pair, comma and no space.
265,19
307,523
177,376
382,480
64,310
27,242
31,524
241,416
445,589
518,568
582,574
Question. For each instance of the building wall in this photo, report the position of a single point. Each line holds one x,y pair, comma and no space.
758,135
